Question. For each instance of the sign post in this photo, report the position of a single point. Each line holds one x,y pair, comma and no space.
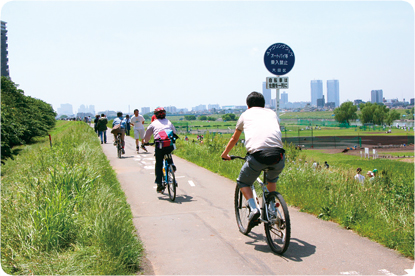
279,59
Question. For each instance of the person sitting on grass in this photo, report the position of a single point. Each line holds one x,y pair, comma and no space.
358,176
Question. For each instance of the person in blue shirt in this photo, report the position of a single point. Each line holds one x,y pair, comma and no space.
121,129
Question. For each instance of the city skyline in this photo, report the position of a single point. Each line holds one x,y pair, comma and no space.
204,52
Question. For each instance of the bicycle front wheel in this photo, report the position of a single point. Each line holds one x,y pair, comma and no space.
171,185
242,212
278,228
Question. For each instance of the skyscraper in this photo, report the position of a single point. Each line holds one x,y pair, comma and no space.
267,94
316,91
333,95
376,96
4,51
284,98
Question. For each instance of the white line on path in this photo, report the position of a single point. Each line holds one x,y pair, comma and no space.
180,176
191,183
149,167
386,272
350,273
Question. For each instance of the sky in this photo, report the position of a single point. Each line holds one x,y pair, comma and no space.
122,55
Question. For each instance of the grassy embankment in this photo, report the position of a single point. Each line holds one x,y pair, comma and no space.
381,210
63,210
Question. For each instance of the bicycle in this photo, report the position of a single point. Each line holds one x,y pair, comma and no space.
273,213
169,179
118,144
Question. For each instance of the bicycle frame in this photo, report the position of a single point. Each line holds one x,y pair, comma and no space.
166,167
265,191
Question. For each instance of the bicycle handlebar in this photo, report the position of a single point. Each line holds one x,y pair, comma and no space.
155,141
235,157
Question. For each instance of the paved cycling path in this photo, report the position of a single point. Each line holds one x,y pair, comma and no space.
197,234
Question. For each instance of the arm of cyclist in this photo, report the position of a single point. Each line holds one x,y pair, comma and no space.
231,144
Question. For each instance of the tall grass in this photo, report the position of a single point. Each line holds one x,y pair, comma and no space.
382,210
63,211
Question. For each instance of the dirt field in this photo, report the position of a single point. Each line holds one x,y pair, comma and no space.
382,152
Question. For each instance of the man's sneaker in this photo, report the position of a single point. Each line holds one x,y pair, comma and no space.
123,151
253,216
159,188
144,148
137,148
174,167
115,143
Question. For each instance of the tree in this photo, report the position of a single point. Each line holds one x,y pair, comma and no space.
345,112
202,118
373,113
229,117
392,116
190,117
22,117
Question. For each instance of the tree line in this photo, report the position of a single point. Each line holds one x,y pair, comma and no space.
22,117
225,117
377,114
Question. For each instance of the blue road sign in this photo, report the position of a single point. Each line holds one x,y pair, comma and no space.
279,59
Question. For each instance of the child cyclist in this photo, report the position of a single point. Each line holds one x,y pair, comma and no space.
164,136
264,146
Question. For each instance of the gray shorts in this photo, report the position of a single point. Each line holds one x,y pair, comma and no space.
139,133
252,169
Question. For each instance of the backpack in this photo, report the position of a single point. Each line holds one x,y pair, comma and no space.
167,136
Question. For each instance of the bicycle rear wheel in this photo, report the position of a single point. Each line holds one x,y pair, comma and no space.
119,148
171,185
242,212
278,228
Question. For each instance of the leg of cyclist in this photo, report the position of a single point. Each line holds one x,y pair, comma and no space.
122,140
159,154
247,176
273,174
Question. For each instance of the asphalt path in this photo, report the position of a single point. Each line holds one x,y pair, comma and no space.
197,233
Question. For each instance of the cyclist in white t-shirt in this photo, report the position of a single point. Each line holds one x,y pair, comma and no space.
138,122
264,145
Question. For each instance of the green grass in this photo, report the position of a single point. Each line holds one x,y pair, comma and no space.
63,211
381,210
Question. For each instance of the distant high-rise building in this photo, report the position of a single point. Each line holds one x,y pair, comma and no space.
171,109
321,102
267,94
200,107
144,110
213,106
4,51
333,95
376,96
316,91
86,109
284,98
65,109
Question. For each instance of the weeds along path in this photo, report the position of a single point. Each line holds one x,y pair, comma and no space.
63,211
197,234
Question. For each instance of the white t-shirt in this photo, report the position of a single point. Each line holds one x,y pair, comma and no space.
261,127
359,178
137,121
